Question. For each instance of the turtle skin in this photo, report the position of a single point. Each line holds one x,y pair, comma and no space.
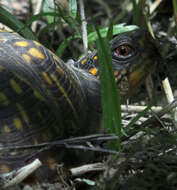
43,99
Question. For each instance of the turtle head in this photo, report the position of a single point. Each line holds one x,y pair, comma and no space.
134,57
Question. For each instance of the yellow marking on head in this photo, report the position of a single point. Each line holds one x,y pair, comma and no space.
6,129
37,43
23,113
27,58
60,70
52,163
16,86
83,61
36,53
3,99
1,40
93,71
124,71
134,78
118,77
95,57
137,76
46,78
1,68
22,43
116,72
63,92
4,168
18,123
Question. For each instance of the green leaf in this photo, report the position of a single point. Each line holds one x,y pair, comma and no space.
73,8
117,29
12,22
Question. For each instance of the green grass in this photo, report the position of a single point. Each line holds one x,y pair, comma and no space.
12,22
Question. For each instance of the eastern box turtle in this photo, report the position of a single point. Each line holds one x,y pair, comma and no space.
43,99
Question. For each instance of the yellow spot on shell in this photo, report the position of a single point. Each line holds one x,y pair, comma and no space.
52,163
23,79
23,113
22,43
60,70
27,58
46,78
4,168
93,71
6,129
83,61
56,58
37,43
16,86
95,57
18,123
36,53
38,95
63,92
3,99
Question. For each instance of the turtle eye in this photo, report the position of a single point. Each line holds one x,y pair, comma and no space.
123,50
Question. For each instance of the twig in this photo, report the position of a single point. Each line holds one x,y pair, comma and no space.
167,109
36,11
84,26
65,142
137,109
95,149
154,6
170,98
168,90
149,86
17,176
87,168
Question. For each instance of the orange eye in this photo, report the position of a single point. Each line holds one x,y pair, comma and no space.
123,50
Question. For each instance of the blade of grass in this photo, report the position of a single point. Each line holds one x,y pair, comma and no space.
175,11
135,12
12,22
136,118
110,95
